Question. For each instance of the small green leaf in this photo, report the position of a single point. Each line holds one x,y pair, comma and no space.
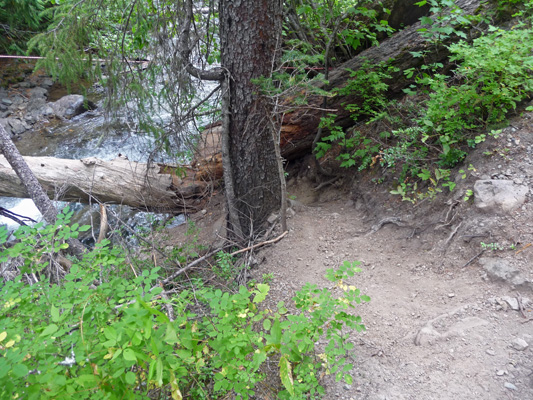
348,379
170,335
267,324
129,355
19,370
426,21
285,374
159,372
49,330
275,337
130,378
84,228
116,354
54,312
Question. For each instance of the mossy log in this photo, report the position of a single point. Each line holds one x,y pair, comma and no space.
300,126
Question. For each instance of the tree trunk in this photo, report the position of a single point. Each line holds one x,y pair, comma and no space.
249,34
154,187
32,186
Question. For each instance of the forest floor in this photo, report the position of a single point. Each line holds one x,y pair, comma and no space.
438,326
449,317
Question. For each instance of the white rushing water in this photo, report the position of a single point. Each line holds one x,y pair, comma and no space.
88,135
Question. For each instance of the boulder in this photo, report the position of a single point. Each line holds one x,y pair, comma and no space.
18,126
499,196
38,92
71,105
38,109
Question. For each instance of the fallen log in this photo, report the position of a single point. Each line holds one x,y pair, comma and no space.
299,126
155,187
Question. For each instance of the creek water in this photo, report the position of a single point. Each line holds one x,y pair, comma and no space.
88,135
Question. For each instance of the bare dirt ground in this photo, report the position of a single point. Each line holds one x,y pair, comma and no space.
443,322
436,329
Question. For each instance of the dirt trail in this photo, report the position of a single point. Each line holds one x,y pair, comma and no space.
436,329
465,353
445,321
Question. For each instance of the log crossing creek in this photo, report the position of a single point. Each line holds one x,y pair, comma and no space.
86,137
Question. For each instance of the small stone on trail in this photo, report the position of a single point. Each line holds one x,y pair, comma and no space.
510,386
501,372
347,387
450,295
519,344
48,82
512,301
499,195
490,352
204,212
500,269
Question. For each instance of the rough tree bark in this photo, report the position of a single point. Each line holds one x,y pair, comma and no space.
32,185
249,34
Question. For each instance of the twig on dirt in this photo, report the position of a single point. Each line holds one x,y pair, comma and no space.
189,266
452,206
331,181
205,257
474,258
521,305
527,320
446,223
447,220
167,305
259,244
452,234
523,248
413,233
389,220
475,236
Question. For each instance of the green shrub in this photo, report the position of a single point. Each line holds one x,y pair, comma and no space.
99,334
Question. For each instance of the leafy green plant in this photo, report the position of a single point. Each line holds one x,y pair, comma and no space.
18,19
446,19
356,149
225,268
491,246
268,278
468,195
98,334
493,75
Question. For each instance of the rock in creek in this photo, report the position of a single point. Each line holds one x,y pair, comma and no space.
71,105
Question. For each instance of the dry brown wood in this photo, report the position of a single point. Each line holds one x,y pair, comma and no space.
474,258
103,224
260,244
